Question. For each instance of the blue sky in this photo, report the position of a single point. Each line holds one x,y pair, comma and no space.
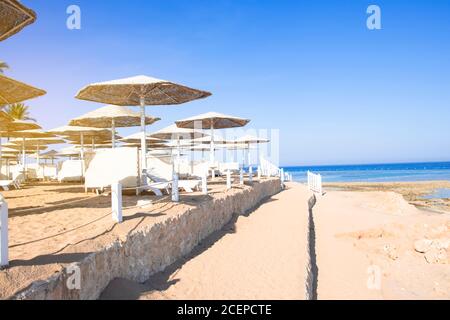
338,92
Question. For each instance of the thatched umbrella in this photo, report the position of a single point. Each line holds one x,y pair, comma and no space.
39,142
140,91
83,133
14,16
13,91
7,128
176,134
28,134
113,117
212,120
249,140
137,138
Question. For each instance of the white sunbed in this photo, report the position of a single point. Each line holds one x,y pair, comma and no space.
159,176
7,184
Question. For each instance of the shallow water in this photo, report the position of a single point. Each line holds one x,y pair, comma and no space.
442,193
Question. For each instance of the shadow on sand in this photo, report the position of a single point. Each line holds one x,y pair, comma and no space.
123,289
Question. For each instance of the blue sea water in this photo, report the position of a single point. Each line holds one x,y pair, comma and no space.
426,171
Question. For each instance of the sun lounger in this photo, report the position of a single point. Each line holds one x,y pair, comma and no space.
160,171
7,184
156,181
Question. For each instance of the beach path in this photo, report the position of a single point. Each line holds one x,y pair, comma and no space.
261,255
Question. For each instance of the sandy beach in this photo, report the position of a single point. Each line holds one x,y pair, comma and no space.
261,255
52,225
368,247
413,192
366,244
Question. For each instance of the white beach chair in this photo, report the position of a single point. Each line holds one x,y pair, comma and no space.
161,172
7,184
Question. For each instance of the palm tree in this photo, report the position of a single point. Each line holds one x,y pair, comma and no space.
3,66
19,111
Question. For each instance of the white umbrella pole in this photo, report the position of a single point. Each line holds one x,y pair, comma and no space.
113,130
248,154
143,140
23,158
211,145
178,155
82,153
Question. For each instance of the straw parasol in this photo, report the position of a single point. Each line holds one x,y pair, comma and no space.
8,128
83,133
212,120
69,152
113,117
172,132
140,91
38,142
14,16
13,91
137,138
28,134
249,140
176,134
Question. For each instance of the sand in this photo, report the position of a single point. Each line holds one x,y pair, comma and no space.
52,225
261,255
413,192
365,245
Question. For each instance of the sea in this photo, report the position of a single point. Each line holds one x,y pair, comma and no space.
386,172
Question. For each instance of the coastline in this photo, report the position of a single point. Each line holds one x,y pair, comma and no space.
412,192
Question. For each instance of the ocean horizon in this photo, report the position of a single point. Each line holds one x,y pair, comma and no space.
383,172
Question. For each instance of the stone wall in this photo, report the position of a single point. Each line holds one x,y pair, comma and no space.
150,250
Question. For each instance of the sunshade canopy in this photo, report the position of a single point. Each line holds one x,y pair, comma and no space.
103,117
172,132
37,133
92,138
14,16
71,131
136,138
51,154
69,152
207,140
13,91
149,144
38,141
130,91
251,139
17,125
8,147
214,119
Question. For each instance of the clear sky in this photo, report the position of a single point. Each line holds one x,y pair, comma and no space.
338,92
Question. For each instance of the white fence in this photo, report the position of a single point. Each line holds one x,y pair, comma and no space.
3,233
315,182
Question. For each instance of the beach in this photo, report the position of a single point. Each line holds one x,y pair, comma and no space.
53,226
259,255
413,192
368,247
361,242
365,247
